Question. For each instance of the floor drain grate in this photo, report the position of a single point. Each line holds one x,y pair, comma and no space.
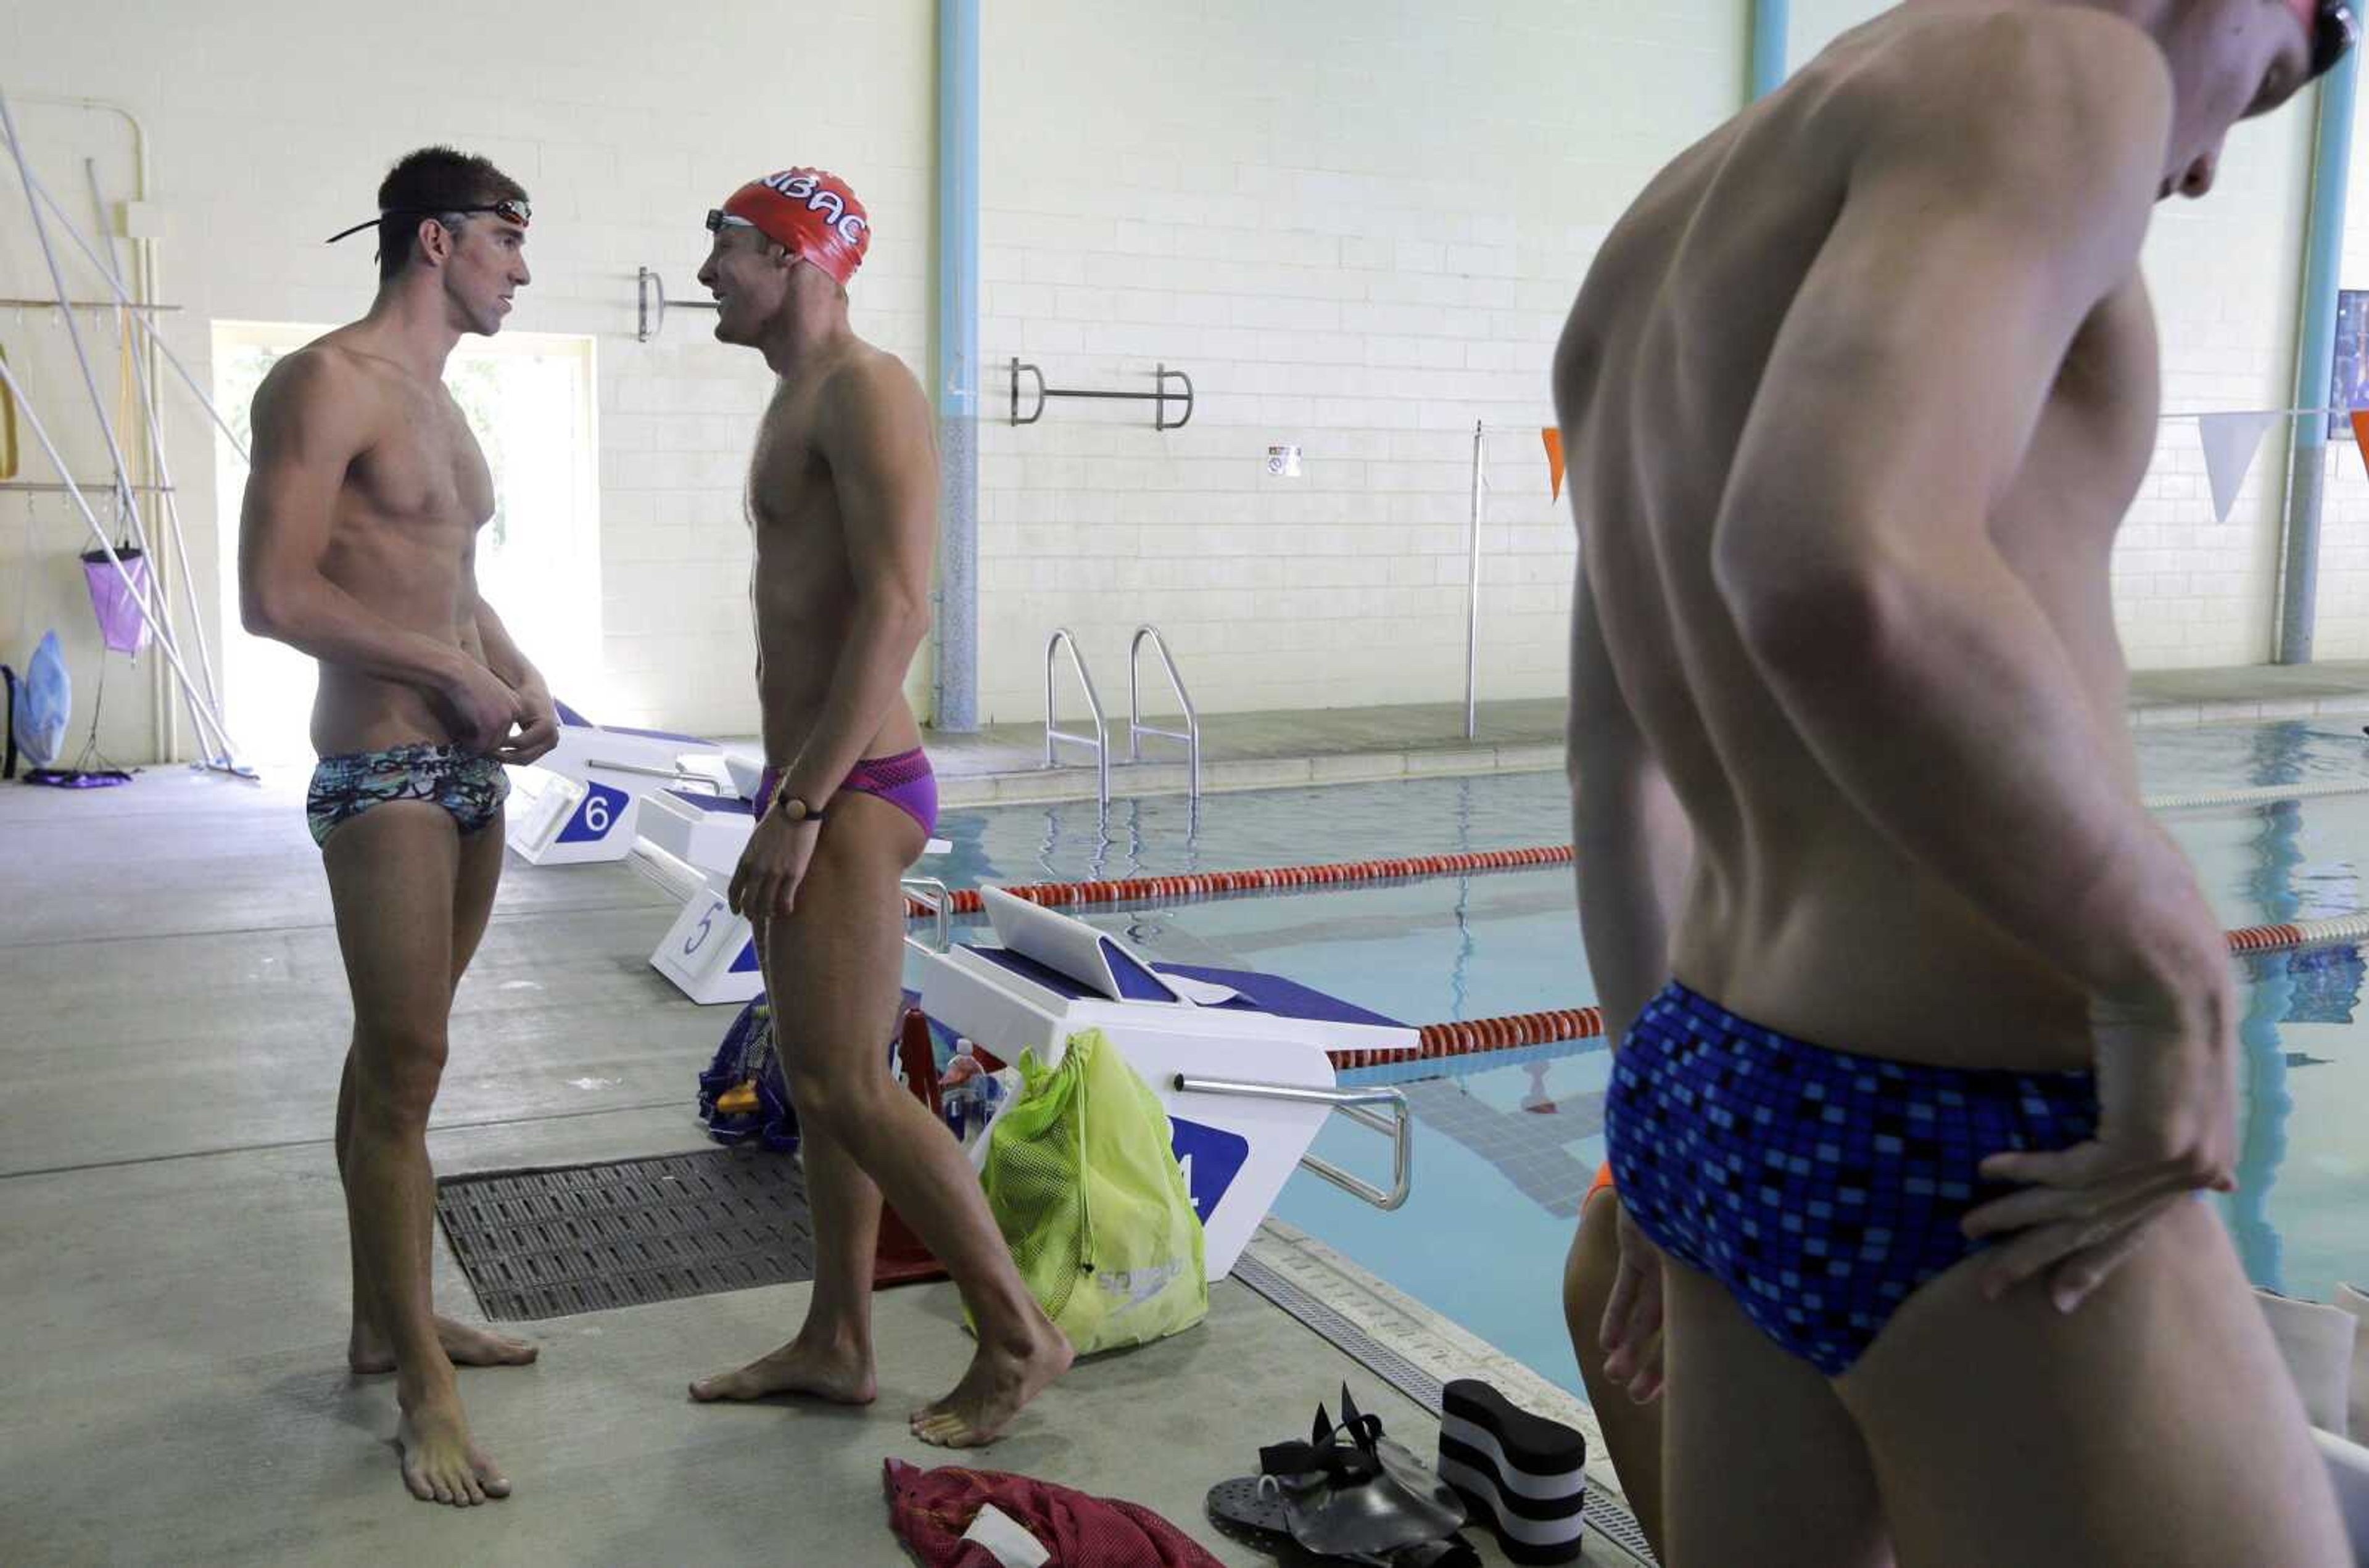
548,1243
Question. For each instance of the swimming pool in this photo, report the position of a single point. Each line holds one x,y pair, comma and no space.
1505,1144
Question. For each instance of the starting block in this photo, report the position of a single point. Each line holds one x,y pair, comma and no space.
581,801
1236,1057
708,952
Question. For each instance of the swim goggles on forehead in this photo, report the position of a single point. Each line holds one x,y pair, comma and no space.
718,220
2334,30
508,210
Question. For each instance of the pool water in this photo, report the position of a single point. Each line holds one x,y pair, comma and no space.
1503,1150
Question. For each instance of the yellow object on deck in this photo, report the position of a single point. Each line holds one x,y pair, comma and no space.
8,428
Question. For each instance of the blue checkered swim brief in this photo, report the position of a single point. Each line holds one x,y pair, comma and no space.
1820,1187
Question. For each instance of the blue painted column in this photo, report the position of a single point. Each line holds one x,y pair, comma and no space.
1771,19
2274,886
2331,166
955,689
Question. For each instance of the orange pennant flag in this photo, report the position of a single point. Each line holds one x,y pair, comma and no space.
2361,431
1553,437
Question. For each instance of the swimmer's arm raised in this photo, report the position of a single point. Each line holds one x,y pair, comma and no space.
875,434
1853,542
311,421
1631,837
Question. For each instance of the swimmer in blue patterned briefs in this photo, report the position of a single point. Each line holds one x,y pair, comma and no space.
357,546
1854,397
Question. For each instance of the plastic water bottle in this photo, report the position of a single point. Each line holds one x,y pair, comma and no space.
958,1092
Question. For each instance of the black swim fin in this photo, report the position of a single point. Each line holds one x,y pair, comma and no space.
1349,1492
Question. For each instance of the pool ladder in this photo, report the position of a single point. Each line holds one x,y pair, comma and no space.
1137,729
1064,640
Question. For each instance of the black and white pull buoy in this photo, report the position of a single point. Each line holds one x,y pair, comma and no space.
1525,1475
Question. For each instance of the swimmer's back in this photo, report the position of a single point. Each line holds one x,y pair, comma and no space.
1803,914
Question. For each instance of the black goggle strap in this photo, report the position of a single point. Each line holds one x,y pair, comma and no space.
508,212
2333,35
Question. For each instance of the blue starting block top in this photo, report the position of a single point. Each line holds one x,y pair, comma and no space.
715,805
572,719
1254,993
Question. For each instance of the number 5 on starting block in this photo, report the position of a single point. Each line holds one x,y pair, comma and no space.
708,952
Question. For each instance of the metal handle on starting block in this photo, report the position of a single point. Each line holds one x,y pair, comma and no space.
1399,1127
934,893
680,775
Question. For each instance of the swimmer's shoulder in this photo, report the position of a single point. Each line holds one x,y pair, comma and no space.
2059,96
867,386
873,372
329,387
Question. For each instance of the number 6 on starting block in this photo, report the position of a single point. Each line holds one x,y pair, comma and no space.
556,820
582,802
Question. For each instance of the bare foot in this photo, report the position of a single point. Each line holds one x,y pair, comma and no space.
368,1352
836,1373
999,1382
439,1463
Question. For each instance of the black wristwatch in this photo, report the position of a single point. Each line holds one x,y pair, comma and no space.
794,810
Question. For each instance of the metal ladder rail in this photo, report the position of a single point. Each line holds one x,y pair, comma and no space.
1099,740
1137,729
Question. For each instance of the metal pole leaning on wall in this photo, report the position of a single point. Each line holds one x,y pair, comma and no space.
212,731
142,316
2331,155
124,486
57,277
154,601
955,687
1472,599
148,372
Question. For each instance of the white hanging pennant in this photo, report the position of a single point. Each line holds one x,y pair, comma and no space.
2230,442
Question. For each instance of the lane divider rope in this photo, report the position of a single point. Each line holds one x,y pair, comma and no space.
1339,873
1517,1031
2267,795
1477,1036
1260,879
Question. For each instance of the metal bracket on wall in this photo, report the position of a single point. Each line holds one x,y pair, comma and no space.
649,315
1159,396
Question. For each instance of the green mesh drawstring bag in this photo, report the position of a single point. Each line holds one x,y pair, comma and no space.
1083,1184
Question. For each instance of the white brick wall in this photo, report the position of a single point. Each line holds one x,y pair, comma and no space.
1357,226
1357,223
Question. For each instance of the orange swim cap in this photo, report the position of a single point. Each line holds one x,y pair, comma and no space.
811,215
